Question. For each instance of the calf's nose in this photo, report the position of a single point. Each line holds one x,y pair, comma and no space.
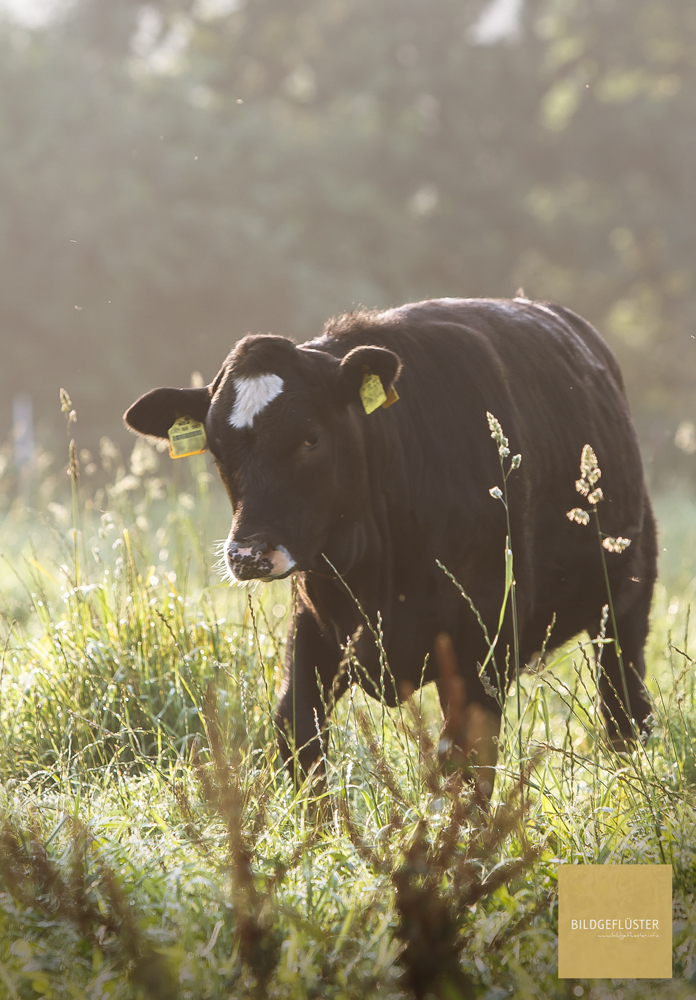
249,557
254,547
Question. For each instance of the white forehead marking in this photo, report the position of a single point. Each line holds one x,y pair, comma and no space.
253,394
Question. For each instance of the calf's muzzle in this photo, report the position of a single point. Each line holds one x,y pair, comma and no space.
254,558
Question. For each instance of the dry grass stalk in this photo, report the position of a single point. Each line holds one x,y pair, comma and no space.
94,904
258,945
439,872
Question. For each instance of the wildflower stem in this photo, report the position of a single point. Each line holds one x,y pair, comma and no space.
615,630
513,608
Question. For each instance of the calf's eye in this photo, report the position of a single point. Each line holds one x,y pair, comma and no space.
311,441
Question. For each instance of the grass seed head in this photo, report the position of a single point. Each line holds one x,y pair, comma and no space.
498,436
578,515
616,544
588,464
65,402
590,473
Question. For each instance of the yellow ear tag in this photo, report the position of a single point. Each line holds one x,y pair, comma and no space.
186,437
372,393
392,397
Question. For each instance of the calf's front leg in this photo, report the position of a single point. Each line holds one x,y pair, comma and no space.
311,664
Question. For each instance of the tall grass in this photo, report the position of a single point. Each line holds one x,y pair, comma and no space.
153,845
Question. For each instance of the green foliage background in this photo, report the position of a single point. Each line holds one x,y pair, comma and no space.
178,174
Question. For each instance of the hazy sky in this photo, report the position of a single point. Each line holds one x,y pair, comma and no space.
29,11
499,19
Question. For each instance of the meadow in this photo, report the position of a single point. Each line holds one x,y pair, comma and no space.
153,845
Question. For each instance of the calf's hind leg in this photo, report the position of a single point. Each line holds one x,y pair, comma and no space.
625,703
469,739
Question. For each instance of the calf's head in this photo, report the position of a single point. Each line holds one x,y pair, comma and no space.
287,431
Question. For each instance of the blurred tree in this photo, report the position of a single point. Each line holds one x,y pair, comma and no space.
178,173
613,197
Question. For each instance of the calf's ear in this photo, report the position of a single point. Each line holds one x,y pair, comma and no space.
156,411
362,361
